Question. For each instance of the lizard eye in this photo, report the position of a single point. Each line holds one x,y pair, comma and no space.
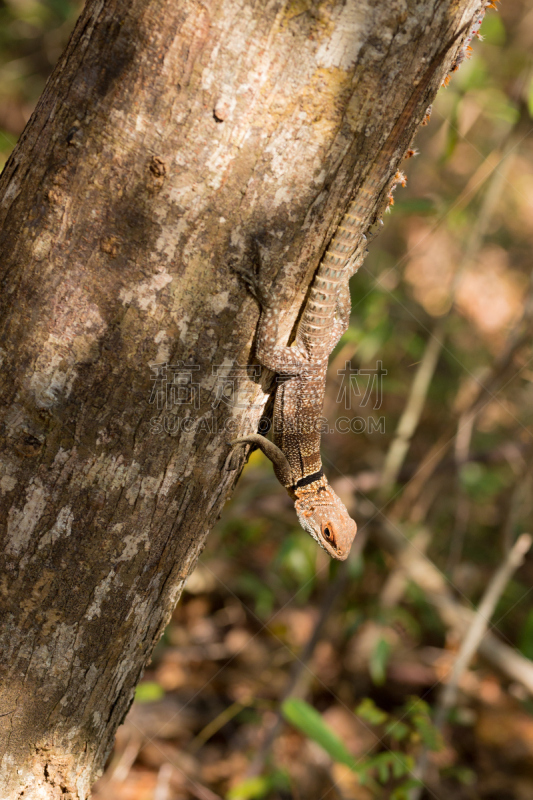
328,533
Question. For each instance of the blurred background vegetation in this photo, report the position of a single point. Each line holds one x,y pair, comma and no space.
282,674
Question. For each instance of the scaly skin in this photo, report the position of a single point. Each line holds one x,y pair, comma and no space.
295,450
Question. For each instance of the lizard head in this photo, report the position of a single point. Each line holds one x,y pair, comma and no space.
322,514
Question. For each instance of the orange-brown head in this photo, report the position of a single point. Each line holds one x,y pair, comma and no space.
322,514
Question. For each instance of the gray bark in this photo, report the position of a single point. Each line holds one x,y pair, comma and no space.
168,137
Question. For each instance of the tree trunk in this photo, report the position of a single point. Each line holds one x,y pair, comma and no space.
170,135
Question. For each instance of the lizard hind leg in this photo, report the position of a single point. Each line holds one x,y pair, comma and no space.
272,451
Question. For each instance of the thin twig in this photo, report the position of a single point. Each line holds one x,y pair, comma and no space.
465,429
413,409
515,498
200,791
126,760
481,620
162,789
396,583
215,725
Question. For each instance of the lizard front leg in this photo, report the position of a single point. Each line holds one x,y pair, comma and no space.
281,466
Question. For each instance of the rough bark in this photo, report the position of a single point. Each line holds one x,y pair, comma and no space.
169,135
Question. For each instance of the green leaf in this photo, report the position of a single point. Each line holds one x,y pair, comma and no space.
263,596
250,789
429,734
402,764
403,792
480,482
452,137
415,705
148,692
310,722
397,730
464,775
383,767
356,567
390,761
299,562
378,662
369,711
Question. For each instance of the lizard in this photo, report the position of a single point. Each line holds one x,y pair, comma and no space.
295,449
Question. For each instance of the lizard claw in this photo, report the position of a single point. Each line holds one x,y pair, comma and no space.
252,277
234,457
252,282
233,461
